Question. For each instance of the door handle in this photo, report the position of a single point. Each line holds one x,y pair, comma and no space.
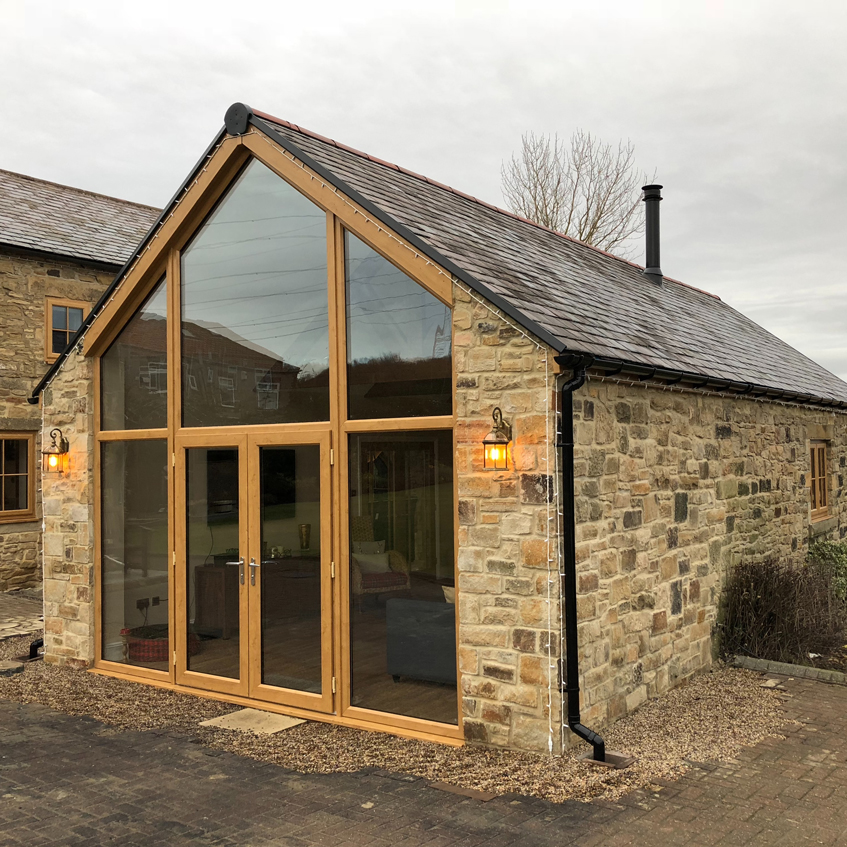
240,564
253,565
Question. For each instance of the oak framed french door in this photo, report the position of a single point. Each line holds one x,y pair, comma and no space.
291,566
254,587
211,544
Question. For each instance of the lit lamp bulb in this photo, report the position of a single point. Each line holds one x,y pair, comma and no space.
496,444
55,456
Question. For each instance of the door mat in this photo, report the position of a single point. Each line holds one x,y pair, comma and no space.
253,720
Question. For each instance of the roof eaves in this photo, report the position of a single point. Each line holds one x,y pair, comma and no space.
426,249
81,191
609,367
98,306
23,250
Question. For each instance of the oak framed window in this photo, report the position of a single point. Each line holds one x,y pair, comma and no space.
62,320
819,480
17,477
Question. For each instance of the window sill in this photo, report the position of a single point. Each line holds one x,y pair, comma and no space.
822,525
16,517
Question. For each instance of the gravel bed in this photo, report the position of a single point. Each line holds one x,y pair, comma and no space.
708,720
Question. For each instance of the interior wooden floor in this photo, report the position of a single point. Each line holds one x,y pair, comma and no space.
291,659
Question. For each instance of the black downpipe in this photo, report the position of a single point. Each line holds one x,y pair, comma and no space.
34,648
566,439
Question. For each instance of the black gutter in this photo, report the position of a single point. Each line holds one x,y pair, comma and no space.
49,255
54,368
611,367
571,683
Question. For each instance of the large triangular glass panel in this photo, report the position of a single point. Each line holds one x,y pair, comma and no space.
255,328
134,371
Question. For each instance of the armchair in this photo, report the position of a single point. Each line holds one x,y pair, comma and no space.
397,576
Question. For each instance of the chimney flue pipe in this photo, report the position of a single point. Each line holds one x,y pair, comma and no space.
652,198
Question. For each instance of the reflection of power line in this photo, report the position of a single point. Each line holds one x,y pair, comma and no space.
277,236
192,308
393,277
299,216
274,272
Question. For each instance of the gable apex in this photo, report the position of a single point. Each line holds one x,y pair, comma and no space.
572,297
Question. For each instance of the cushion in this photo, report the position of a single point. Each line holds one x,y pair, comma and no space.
390,579
368,546
372,562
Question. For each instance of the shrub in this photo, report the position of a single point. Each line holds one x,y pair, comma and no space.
832,554
773,610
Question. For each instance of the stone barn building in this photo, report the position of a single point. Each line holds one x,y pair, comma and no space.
60,248
340,481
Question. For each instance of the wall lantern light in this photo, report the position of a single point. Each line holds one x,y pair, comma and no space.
496,444
56,455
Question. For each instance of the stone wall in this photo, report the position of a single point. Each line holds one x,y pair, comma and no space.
508,593
68,504
672,488
25,282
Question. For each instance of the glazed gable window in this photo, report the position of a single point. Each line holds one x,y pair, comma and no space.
63,319
17,457
819,480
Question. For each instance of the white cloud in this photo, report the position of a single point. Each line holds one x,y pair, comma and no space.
739,106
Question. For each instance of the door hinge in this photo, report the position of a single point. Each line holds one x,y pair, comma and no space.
173,460
332,570
174,658
173,560
331,456
333,685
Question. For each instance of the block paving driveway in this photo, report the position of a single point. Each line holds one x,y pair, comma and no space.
72,781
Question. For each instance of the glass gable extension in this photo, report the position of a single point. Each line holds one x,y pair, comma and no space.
255,327
277,498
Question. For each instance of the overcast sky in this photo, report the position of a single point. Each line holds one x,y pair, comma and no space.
739,105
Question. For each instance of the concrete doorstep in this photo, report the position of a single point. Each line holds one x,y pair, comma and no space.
254,720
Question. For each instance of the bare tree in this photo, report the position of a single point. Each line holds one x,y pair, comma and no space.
587,189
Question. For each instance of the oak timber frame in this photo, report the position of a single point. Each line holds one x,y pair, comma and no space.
162,258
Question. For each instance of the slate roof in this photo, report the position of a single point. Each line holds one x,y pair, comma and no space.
576,297
52,218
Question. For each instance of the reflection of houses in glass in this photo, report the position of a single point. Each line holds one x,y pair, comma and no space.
390,386
222,370
134,374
